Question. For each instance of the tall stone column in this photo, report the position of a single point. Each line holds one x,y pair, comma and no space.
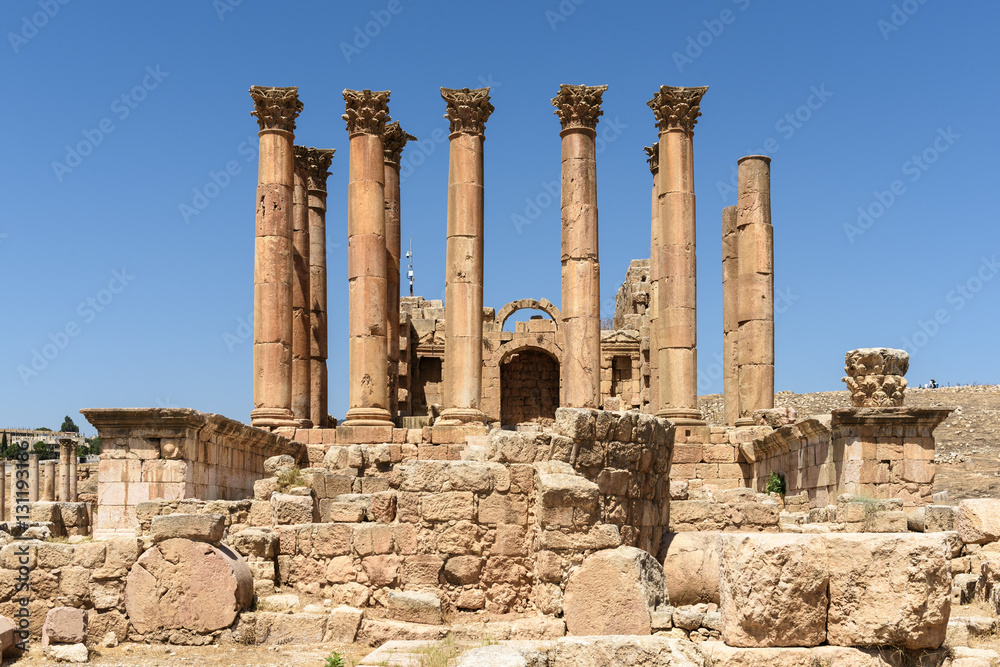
49,480
13,490
73,479
579,108
730,321
276,110
3,491
653,158
301,295
676,111
395,140
318,165
33,478
467,113
755,301
64,464
366,115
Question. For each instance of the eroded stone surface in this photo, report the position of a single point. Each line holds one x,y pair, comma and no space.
691,567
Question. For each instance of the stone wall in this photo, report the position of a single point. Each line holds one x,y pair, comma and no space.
874,452
175,453
530,388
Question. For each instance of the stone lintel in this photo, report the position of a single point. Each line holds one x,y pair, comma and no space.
891,416
275,108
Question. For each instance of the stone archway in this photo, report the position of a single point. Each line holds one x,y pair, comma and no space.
543,305
529,386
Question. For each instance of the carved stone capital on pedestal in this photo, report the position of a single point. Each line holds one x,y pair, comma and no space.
366,111
468,110
875,376
318,162
275,108
301,159
677,108
578,106
395,140
653,157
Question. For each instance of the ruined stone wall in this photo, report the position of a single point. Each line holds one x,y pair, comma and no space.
530,388
873,452
175,453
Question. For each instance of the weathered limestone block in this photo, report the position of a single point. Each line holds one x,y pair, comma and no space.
298,628
274,465
978,520
255,542
718,654
181,584
502,656
565,499
64,625
691,567
77,653
625,652
7,629
875,376
414,607
888,590
197,527
577,424
939,518
342,626
772,589
612,592
290,510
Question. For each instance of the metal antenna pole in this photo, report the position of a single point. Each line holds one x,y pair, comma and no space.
409,274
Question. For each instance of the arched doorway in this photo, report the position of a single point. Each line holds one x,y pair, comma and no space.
529,387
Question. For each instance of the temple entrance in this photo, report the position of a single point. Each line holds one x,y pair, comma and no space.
529,388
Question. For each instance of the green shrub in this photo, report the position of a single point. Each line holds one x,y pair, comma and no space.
775,483
335,660
290,477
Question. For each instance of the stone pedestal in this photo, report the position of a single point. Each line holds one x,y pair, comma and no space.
317,169
395,140
755,300
653,157
579,108
276,110
49,481
366,115
301,294
467,112
676,111
33,478
730,321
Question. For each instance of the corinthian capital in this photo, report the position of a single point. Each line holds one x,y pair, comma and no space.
317,167
275,108
578,106
366,111
395,140
468,110
653,157
677,108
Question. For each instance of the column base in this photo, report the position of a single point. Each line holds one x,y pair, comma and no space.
456,416
305,423
272,418
683,416
745,421
367,417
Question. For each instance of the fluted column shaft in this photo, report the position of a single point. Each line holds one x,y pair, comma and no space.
366,260
579,109
755,301
677,111
395,140
730,322
318,164
468,111
301,358
276,109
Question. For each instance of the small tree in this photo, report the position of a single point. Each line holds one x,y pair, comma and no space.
42,450
68,426
94,446
44,428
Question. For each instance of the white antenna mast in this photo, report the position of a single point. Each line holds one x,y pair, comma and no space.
409,256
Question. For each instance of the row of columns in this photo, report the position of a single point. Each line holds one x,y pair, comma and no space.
38,480
290,337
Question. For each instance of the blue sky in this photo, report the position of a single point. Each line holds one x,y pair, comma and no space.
880,117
